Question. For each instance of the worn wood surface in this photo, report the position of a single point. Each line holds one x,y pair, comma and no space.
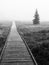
16,52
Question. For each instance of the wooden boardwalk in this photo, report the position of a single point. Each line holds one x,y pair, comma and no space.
16,52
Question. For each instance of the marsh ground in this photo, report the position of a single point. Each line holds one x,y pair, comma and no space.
37,38
4,31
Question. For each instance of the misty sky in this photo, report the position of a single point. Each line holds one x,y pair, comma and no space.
23,10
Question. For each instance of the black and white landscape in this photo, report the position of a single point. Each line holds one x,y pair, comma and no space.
24,32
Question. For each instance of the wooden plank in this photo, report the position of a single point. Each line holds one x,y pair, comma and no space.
16,52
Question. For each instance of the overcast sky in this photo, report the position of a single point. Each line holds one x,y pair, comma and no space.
24,10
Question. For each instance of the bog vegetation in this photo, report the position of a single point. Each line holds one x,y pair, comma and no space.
4,32
38,43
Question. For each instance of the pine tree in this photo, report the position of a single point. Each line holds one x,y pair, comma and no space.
36,19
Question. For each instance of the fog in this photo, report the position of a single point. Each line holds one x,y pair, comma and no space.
23,10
